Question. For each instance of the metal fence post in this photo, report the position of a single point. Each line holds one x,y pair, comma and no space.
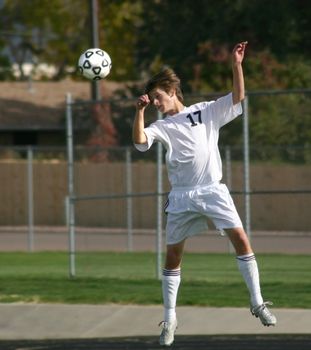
228,167
129,201
229,181
30,198
159,206
246,167
71,203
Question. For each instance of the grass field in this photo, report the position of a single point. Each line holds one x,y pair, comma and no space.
207,279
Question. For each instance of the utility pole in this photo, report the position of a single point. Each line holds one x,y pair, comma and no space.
93,10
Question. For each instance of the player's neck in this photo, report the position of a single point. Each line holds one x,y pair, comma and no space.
177,108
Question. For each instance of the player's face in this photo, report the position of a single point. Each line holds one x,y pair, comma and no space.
163,101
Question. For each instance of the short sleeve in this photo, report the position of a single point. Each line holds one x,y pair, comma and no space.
153,133
224,110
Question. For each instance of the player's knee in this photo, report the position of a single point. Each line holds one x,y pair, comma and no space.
173,259
242,246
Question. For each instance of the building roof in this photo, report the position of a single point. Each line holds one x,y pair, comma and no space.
41,105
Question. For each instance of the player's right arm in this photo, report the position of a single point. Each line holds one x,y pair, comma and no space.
139,136
238,92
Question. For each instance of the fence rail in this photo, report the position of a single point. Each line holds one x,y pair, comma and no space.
112,191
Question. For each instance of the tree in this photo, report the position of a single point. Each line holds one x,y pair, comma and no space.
189,38
58,31
194,38
104,134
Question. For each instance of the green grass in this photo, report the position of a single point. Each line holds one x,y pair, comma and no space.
207,279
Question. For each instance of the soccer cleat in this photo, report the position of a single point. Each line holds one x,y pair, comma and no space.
168,332
264,314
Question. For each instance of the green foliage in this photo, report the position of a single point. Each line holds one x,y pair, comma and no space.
59,31
5,68
119,32
280,120
197,40
50,31
142,36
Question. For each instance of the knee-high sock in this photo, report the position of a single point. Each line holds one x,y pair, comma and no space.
170,285
248,267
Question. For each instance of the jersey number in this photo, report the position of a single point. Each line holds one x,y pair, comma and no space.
191,118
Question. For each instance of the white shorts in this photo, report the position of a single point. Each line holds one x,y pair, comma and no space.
188,210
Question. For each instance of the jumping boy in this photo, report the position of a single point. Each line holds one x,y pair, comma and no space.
190,137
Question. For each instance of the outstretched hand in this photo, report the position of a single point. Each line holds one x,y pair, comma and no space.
238,52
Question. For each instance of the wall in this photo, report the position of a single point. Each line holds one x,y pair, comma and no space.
289,212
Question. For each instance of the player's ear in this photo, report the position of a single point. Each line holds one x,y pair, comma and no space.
172,92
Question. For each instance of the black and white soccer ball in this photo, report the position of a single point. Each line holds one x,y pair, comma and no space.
94,64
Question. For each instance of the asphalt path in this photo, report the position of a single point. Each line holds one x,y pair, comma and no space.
49,238
219,342
12,238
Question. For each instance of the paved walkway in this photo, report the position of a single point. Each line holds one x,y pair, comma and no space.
51,238
56,321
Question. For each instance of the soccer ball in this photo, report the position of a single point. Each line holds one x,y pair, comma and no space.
94,64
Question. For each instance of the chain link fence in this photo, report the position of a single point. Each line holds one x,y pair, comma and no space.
116,190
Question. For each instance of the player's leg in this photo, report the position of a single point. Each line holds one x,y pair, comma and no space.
170,285
171,279
246,262
219,206
249,269
183,221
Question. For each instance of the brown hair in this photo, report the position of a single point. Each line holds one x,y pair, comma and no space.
166,80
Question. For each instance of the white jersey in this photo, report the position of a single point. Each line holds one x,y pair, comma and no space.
191,141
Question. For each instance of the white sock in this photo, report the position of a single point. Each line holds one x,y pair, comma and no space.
170,285
248,267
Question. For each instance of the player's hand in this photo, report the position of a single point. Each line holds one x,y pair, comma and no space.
142,101
238,52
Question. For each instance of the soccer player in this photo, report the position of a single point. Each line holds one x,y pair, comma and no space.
190,137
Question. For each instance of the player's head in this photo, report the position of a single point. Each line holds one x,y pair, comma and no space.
166,80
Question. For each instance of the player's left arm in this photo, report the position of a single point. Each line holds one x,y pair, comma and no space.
238,92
